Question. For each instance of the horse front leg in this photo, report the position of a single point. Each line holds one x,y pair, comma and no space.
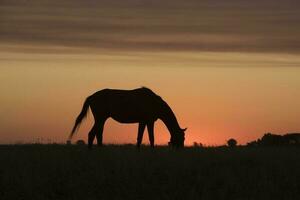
150,127
140,134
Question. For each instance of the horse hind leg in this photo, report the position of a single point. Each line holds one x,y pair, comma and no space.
91,137
100,118
99,132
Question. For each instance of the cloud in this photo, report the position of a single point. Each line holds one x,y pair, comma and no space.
153,25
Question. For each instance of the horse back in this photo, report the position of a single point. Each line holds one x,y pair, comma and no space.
127,105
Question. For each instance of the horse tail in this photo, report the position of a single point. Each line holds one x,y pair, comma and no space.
80,117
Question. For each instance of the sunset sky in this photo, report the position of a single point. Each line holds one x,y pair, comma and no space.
227,68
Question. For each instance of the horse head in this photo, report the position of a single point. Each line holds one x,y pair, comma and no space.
177,139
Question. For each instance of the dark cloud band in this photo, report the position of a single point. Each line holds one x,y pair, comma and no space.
256,26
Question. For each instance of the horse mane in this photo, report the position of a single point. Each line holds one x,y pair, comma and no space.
148,90
164,105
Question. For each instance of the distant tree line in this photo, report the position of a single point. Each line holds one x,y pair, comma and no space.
270,139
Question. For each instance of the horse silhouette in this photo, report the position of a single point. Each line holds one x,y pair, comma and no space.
140,105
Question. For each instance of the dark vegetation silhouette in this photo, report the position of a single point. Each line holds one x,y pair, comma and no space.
80,142
198,144
51,171
232,142
270,139
140,105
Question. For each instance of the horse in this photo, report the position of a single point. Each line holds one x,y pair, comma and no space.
139,105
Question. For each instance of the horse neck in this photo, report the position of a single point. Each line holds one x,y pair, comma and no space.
169,119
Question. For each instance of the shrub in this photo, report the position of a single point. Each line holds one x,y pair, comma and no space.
232,142
80,142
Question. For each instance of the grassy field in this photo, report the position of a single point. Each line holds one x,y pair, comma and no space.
123,172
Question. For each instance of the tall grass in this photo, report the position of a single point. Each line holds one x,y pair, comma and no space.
123,172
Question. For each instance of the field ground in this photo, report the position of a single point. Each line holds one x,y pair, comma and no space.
123,172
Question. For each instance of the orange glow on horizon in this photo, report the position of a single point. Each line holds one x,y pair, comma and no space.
216,95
